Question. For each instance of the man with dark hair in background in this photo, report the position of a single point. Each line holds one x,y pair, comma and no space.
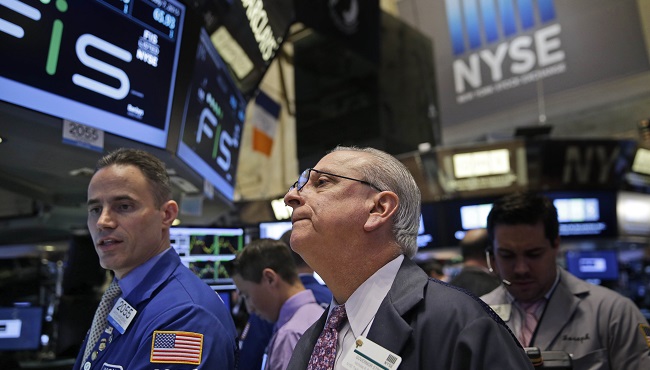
475,276
156,313
546,306
267,279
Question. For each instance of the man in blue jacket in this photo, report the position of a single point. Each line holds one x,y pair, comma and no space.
161,316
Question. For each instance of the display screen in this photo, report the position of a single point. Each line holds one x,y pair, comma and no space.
20,328
213,117
461,215
427,236
203,250
601,265
107,64
274,230
586,214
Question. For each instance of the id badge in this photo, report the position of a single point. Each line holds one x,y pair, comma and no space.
368,355
121,315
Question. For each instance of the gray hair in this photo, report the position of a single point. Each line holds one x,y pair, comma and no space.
388,173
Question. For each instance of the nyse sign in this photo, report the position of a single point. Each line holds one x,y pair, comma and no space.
107,64
212,120
583,164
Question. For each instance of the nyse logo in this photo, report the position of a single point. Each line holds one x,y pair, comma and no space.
483,35
83,44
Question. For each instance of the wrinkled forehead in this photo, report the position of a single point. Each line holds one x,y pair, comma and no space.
344,159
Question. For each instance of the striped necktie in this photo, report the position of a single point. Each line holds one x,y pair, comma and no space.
99,321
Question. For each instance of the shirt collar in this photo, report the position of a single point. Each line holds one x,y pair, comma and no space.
364,303
138,274
291,305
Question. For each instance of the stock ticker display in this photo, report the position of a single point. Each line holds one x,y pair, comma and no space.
110,64
203,250
213,117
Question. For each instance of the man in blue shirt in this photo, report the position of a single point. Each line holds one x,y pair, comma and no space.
163,316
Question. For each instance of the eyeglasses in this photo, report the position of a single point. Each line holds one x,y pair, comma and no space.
304,178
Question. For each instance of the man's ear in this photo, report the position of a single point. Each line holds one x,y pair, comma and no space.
384,206
269,276
170,211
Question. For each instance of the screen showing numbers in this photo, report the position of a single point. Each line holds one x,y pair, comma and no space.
212,120
109,64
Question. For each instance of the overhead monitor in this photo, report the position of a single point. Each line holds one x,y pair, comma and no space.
20,328
586,214
106,64
248,35
213,117
203,250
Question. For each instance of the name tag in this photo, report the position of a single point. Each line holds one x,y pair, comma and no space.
121,315
503,310
368,355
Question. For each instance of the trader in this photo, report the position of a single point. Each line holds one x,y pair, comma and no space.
355,221
267,278
156,314
547,307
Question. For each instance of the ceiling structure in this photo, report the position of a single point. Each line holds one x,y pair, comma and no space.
44,181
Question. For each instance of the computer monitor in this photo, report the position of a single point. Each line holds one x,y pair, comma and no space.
593,265
275,229
20,328
203,250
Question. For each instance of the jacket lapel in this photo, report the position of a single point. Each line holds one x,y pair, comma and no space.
389,328
559,311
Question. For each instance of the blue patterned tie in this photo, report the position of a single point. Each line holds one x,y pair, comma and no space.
324,354
99,321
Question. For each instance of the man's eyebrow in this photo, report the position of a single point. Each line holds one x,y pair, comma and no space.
114,199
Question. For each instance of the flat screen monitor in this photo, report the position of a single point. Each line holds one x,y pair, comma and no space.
593,265
427,235
213,118
106,64
203,250
586,214
274,230
460,215
20,328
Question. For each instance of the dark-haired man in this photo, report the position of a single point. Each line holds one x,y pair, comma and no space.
267,279
156,314
547,307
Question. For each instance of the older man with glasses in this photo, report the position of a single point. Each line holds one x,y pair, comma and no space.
355,221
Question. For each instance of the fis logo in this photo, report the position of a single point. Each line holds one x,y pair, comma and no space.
476,23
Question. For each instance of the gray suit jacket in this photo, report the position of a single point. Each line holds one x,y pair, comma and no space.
597,326
432,325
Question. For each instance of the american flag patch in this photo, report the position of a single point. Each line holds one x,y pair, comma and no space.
176,347
645,330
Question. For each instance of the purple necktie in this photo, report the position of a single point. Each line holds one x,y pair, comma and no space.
324,354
